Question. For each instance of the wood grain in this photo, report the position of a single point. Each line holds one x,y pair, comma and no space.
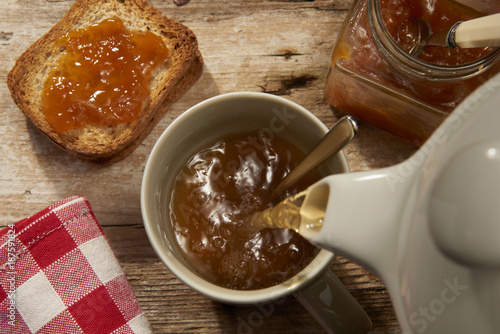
278,47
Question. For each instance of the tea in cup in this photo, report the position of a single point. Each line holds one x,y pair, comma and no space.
198,185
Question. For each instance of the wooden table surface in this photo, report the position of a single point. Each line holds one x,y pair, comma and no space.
279,47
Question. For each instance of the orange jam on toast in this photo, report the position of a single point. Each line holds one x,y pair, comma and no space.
102,77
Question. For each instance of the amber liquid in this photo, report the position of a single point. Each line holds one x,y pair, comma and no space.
213,197
285,214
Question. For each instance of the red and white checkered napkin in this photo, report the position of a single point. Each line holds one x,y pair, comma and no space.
58,275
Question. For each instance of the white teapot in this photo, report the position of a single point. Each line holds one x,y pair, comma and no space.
429,226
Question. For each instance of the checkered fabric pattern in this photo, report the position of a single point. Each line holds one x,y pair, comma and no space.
58,275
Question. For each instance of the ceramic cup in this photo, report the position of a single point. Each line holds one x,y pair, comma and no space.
316,287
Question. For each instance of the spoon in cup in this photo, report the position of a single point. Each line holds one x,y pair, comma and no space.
339,135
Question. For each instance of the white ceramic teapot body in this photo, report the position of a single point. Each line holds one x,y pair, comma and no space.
430,226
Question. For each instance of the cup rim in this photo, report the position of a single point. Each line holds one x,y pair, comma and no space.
211,290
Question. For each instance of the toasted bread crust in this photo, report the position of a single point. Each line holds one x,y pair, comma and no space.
170,82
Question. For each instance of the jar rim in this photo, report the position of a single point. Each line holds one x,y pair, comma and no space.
416,67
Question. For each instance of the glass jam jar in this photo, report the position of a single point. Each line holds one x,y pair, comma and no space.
374,78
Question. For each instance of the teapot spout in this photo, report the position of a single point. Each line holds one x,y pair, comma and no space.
358,216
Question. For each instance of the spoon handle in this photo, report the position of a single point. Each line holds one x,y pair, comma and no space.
338,136
480,32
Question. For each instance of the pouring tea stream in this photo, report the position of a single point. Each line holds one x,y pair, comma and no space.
287,213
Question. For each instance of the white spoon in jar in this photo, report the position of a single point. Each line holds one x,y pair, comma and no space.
480,32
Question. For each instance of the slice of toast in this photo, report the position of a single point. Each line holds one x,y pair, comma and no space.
170,81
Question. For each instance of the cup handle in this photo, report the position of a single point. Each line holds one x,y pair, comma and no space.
333,306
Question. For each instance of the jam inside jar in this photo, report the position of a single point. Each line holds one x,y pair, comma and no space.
403,95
